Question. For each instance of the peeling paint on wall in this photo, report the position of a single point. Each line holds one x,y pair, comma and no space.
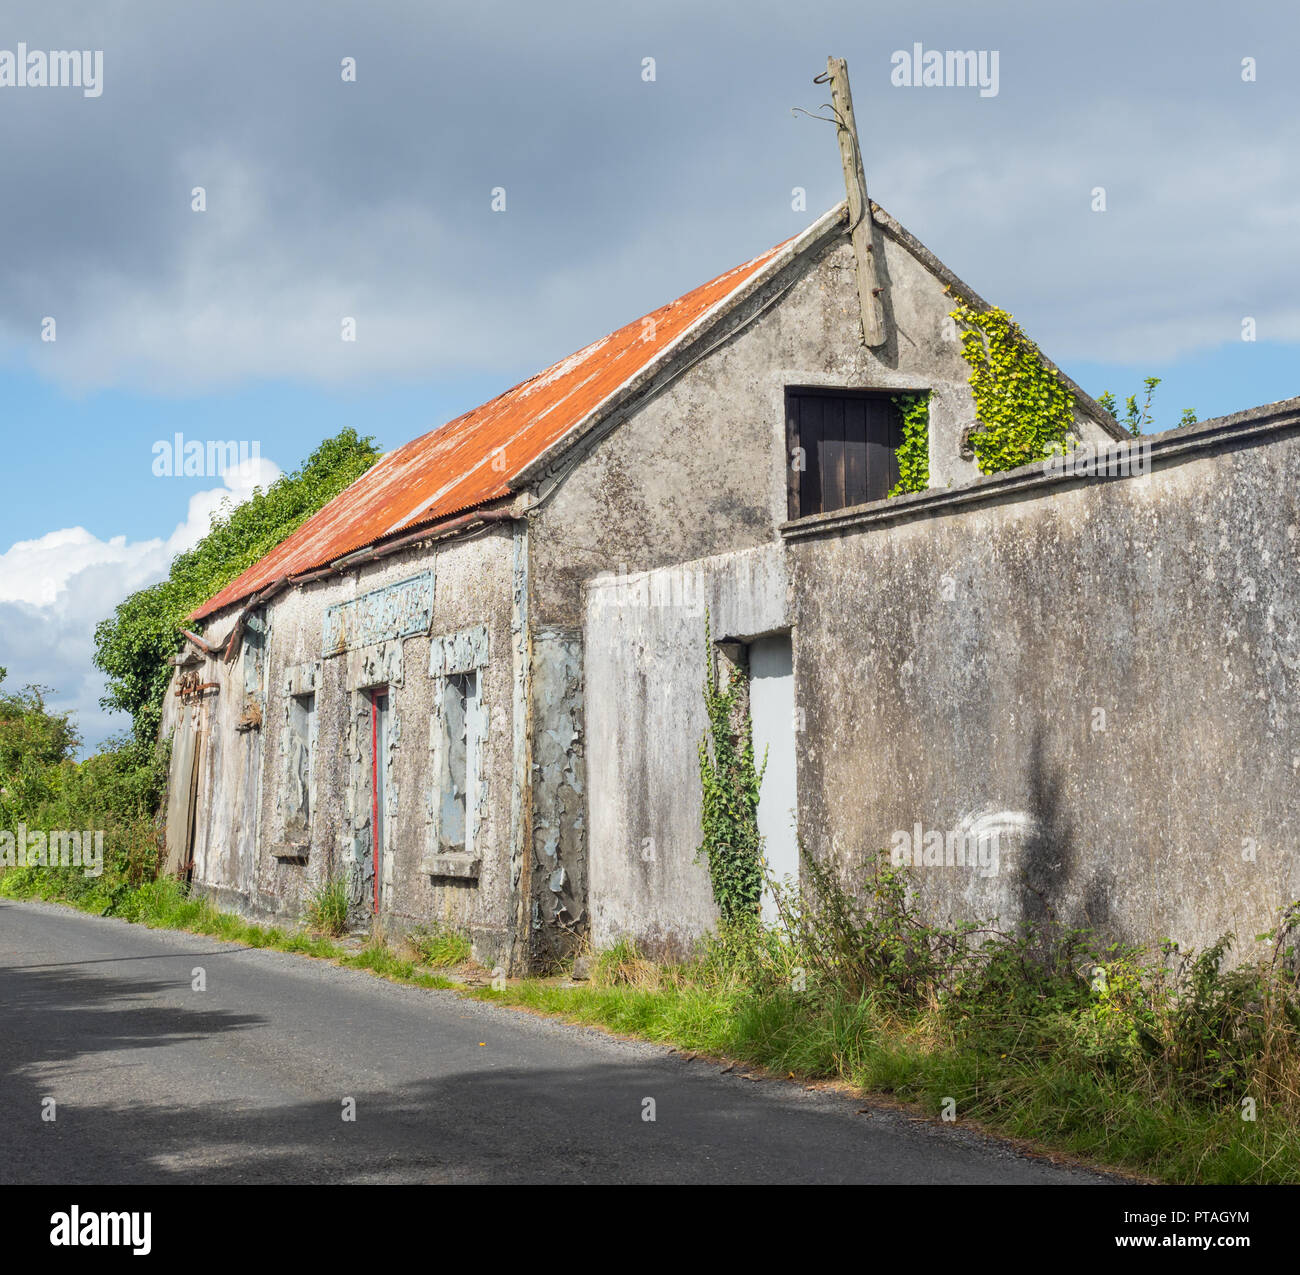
456,795
558,784
397,610
367,668
521,806
460,652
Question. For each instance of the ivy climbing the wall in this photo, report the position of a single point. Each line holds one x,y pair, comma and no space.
914,451
1023,408
732,845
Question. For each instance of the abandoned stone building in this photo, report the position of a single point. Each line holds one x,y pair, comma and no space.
470,685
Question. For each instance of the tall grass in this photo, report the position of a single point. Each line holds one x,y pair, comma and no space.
327,907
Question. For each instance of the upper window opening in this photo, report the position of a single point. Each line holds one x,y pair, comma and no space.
842,446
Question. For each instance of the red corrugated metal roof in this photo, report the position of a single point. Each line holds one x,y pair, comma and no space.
470,461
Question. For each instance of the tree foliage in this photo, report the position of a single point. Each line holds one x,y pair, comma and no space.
112,794
133,645
31,735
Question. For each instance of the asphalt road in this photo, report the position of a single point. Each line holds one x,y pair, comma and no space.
246,1082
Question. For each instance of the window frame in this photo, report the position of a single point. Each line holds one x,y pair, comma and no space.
302,708
459,658
796,480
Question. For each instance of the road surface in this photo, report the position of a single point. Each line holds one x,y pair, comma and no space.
248,1081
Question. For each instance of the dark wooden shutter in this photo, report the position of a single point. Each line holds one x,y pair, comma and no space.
848,441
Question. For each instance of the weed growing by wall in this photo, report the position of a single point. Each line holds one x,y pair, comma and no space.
730,781
1138,418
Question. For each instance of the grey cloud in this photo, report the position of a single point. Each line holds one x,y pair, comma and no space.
328,199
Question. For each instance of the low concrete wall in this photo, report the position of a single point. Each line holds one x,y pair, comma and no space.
1102,670
645,662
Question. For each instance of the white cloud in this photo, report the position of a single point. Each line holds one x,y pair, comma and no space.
56,588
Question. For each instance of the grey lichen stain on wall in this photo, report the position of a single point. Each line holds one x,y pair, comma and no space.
1116,659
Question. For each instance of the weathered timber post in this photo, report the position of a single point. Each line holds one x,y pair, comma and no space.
870,285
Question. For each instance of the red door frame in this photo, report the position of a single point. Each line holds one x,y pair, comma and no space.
380,693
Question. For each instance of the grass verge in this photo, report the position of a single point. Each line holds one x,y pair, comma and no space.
165,904
1059,1102
1109,1122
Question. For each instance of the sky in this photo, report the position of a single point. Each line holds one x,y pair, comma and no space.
624,182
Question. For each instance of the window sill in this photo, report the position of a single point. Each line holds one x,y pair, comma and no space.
458,864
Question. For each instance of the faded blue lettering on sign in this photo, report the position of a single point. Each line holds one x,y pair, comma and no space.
395,611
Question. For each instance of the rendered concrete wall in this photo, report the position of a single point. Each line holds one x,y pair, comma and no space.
645,660
1104,670
243,855
698,467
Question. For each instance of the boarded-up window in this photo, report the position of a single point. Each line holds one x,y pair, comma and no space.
458,737
460,760
299,752
842,446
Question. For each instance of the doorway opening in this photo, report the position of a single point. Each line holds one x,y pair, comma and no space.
772,715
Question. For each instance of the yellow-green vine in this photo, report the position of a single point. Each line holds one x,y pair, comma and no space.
1023,409
914,452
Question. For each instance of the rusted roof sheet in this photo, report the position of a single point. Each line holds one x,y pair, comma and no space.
470,461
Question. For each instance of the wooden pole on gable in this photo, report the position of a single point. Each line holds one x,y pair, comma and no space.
870,285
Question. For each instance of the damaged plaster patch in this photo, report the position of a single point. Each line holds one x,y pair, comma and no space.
460,652
378,665
558,779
